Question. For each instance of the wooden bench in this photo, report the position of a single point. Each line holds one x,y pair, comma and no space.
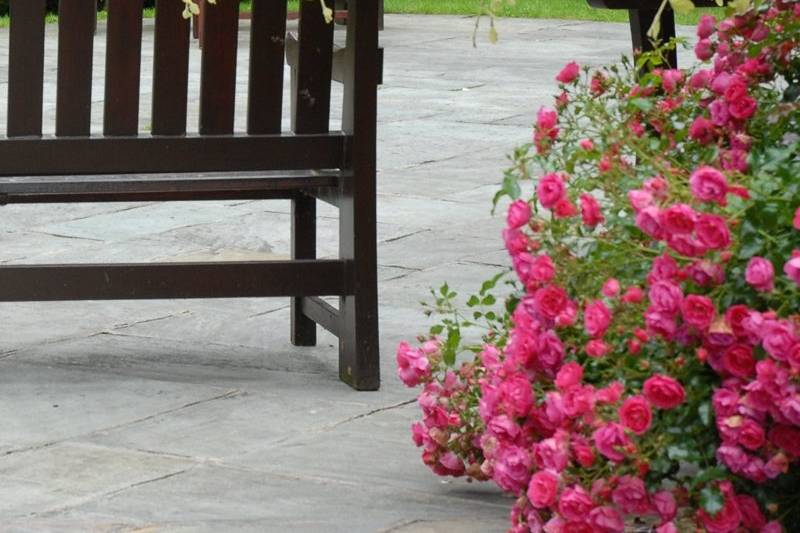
642,13
125,163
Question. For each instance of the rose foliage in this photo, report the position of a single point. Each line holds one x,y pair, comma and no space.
643,366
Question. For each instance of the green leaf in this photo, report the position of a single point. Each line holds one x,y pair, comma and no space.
488,300
451,346
511,187
682,6
473,301
642,103
711,500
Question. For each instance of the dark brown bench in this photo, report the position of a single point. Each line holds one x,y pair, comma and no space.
125,163
642,13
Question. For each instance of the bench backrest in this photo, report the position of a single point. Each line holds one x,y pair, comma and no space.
166,147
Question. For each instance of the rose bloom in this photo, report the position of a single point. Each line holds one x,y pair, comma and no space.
511,468
550,190
664,392
633,295
706,26
665,297
702,130
640,199
546,119
698,311
586,144
786,438
678,218
728,518
647,220
519,214
596,348
550,301
543,489
792,267
590,211
752,517
665,505
412,364
796,219
703,50
738,360
631,496
575,503
569,73
569,376
564,208
712,232
606,520
611,441
760,274
596,318
708,185
635,414
751,435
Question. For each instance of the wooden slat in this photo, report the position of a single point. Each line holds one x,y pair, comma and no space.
123,67
322,313
170,69
32,283
218,68
26,68
141,155
267,38
76,23
313,83
164,187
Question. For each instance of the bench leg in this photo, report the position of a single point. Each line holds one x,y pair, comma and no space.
359,357
641,20
304,246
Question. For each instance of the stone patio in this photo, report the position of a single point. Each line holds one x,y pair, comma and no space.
199,415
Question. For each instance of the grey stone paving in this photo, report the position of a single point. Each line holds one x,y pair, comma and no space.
199,415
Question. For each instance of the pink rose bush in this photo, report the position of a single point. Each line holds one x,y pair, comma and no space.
643,365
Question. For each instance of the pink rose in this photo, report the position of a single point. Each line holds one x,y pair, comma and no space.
569,73
792,267
511,469
631,496
727,519
664,392
640,199
550,190
635,414
519,214
611,441
786,438
752,517
738,360
670,79
686,245
703,50
596,318
450,464
586,144
611,288
611,393
516,396
668,527
412,364
648,220
733,457
503,428
678,218
709,185
569,376
702,130
665,505
590,211
606,520
543,489
550,301
778,339
740,105
633,295
596,348
551,454
712,232
516,242
698,311
751,435
534,269
546,119
706,27
564,208
702,77
665,297
796,219
575,504
760,274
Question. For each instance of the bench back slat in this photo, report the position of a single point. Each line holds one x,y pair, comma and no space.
26,68
218,68
315,62
76,23
170,69
267,42
123,67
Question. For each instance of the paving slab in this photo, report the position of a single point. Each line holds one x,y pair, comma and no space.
178,416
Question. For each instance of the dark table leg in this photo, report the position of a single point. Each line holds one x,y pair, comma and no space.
641,20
